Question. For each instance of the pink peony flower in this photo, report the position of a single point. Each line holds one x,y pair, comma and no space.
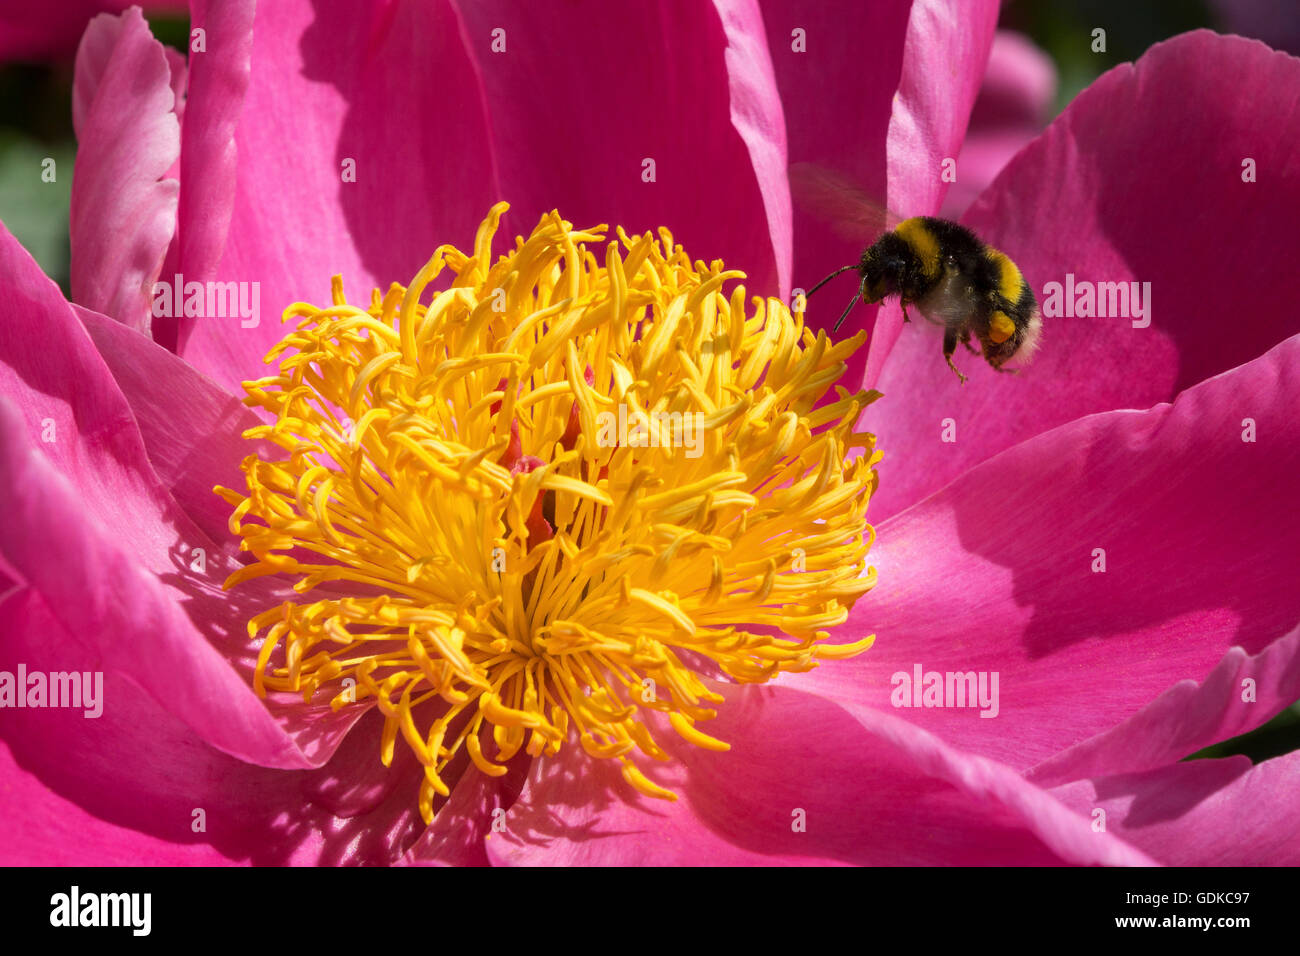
1014,103
1166,446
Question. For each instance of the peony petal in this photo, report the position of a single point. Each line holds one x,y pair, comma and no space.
1077,202
1203,812
996,572
1241,693
316,110
872,790
123,209
927,122
1019,85
1013,106
661,83
89,527
984,155
818,50
757,115
477,806
191,426
216,85
123,788
107,590
99,790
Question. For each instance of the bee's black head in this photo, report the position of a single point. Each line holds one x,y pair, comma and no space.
886,268
881,279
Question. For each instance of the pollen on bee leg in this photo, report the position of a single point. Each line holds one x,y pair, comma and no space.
471,556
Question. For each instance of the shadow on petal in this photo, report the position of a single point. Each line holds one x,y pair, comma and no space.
1182,787
804,782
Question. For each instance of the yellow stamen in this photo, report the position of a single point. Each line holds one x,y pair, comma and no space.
498,568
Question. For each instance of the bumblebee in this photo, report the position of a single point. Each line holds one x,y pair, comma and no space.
942,268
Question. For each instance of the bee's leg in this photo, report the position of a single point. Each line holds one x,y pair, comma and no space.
965,340
950,346
903,305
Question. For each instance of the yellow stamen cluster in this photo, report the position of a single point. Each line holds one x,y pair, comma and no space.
453,604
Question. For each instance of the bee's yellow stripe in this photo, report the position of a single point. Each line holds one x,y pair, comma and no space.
1010,281
923,242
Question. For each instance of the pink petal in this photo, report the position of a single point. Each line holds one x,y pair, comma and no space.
1241,693
89,527
191,427
122,788
82,790
217,85
191,430
873,790
1203,812
1075,201
757,116
1011,110
873,51
463,826
123,209
808,43
516,125
163,328
84,566
995,572
928,121
984,155
312,104
1018,87
666,83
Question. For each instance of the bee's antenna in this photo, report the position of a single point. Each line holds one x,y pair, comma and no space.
852,303
828,279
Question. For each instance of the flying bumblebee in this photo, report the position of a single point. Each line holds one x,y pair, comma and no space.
942,268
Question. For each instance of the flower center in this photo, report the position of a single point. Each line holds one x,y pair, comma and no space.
548,503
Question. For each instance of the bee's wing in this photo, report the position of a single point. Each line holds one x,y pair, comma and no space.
838,201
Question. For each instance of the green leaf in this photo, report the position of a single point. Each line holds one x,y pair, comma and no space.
1279,736
34,210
